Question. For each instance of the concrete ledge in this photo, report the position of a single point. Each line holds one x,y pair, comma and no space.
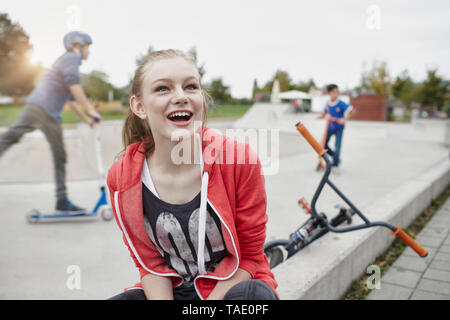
326,268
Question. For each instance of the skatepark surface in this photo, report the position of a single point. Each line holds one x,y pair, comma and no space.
385,167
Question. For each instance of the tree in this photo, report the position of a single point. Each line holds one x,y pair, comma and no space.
304,86
403,89
219,91
432,92
378,79
17,74
254,89
200,67
284,80
96,86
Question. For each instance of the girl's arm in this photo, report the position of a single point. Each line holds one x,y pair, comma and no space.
157,287
223,286
251,218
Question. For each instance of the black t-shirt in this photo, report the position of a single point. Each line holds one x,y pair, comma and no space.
173,229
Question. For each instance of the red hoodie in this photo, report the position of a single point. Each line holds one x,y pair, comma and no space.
234,189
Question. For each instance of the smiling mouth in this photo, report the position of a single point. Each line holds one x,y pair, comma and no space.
180,116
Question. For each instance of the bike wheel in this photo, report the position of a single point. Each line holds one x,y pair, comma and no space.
275,256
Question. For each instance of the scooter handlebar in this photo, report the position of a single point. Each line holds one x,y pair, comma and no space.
313,142
402,235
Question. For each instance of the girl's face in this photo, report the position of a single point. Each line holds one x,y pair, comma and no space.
171,96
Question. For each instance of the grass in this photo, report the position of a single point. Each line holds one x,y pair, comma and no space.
111,111
359,290
228,112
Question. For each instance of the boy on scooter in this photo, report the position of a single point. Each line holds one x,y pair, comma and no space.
45,105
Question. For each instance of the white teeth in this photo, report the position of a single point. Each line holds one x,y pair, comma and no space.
180,114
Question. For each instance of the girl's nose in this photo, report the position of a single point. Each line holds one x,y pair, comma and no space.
180,97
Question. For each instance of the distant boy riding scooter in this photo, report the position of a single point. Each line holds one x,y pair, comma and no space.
45,105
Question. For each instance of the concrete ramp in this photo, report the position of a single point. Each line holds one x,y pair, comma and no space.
262,115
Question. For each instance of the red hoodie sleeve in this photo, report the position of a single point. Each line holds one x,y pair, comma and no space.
251,216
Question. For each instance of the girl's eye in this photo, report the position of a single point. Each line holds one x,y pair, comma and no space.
162,89
192,87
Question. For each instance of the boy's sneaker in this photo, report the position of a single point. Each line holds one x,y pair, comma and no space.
65,206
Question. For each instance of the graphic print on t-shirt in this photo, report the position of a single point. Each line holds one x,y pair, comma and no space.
174,231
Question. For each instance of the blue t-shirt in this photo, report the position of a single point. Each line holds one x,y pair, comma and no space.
53,92
336,111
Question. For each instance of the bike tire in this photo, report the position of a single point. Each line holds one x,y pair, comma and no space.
275,256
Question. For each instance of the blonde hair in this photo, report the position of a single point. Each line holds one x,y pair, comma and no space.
136,129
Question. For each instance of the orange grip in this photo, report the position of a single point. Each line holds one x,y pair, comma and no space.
316,146
402,235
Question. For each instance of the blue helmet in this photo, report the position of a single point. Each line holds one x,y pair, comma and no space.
74,37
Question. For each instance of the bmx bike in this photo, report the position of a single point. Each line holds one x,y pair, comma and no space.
318,224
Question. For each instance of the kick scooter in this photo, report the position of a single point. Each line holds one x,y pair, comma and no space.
101,208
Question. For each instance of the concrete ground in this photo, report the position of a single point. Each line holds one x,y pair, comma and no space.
41,261
415,278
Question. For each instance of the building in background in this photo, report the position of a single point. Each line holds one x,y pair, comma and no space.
369,107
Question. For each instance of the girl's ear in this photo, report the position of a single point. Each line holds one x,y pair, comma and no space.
137,107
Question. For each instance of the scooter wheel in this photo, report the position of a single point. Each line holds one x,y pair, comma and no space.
107,214
33,216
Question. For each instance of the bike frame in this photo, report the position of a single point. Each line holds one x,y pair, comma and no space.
326,180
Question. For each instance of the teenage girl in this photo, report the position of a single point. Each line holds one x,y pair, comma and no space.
195,227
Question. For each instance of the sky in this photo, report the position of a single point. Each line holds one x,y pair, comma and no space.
328,41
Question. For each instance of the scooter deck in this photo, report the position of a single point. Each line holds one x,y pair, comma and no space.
36,216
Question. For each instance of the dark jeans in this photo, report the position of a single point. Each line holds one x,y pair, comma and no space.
32,118
246,290
337,133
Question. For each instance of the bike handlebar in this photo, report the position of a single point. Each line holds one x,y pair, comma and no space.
402,235
313,142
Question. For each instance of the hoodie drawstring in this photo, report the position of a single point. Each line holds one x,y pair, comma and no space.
202,212
202,224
